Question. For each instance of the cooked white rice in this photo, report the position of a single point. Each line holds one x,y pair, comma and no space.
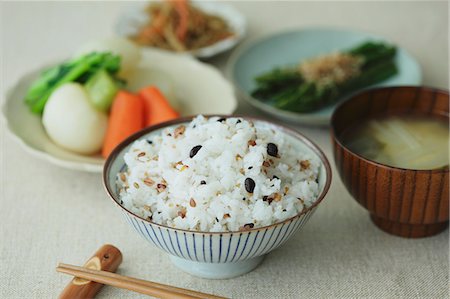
208,192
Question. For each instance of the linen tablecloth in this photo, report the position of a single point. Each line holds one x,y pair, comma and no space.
50,215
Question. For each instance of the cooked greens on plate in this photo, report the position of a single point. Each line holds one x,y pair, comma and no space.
96,70
321,81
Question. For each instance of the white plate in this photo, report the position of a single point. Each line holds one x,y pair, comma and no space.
135,17
198,87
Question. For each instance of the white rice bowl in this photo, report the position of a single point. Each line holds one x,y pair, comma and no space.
208,191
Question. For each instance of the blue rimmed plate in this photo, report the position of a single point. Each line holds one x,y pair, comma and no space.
291,47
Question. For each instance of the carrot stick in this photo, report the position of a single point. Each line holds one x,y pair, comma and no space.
126,118
182,9
157,107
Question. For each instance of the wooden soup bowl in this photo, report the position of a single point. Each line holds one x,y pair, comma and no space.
403,202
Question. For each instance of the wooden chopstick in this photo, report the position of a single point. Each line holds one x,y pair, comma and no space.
133,284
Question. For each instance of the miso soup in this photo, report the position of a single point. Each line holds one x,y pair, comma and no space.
401,141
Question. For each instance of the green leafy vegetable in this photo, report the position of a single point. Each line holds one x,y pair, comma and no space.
289,89
101,89
80,70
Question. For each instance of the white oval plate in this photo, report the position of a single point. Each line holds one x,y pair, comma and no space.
289,48
197,87
134,17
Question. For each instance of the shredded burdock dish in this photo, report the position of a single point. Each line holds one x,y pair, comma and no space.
180,26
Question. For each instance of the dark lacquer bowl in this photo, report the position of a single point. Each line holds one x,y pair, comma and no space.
403,202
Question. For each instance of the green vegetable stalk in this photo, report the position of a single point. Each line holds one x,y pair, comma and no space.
80,70
288,89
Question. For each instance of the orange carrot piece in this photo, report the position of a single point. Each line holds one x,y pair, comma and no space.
182,9
126,118
157,107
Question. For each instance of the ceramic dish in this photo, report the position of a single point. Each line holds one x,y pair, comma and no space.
134,17
205,93
404,202
215,255
291,47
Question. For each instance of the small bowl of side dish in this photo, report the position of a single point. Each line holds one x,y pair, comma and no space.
391,151
214,203
209,28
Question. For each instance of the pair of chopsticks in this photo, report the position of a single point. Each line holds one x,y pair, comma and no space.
133,284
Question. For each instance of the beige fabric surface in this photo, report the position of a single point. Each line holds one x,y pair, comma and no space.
50,215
